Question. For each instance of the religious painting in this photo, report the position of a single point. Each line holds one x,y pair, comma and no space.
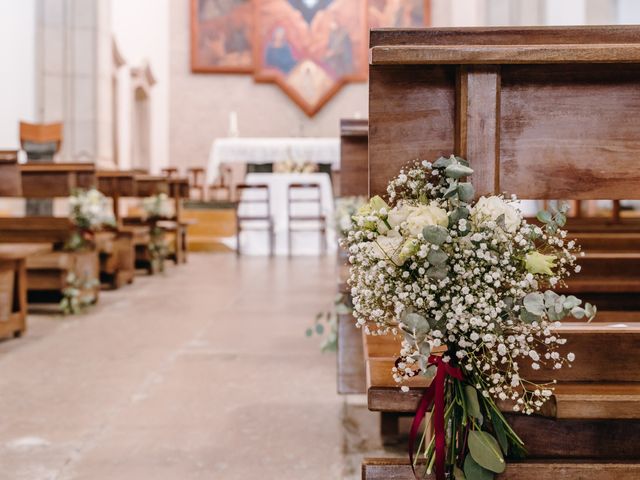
311,48
221,36
398,13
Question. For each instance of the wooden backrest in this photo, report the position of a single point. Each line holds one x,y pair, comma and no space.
10,184
54,230
542,112
148,185
41,140
354,157
50,180
116,183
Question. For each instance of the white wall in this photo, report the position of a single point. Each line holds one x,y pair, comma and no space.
17,68
141,29
628,11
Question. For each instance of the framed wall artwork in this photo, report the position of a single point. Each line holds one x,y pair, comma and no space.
222,36
309,48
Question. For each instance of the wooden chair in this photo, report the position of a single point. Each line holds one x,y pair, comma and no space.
40,141
297,196
518,104
222,184
170,172
196,181
265,221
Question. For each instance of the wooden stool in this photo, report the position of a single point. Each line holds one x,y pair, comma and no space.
264,200
294,217
196,181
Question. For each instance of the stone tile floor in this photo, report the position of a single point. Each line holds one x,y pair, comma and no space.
201,373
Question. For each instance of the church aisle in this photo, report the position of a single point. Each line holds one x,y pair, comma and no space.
203,373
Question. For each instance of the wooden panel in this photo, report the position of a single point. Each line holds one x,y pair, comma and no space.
354,157
351,372
114,184
399,469
478,124
148,185
499,54
35,229
411,115
614,34
10,182
50,180
599,439
557,142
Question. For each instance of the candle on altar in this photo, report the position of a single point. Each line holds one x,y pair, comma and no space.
233,124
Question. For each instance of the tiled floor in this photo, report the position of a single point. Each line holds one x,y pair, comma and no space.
203,373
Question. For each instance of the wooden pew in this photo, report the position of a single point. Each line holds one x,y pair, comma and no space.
13,285
354,157
539,112
118,185
59,179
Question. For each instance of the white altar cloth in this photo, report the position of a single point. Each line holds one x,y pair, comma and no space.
304,242
272,150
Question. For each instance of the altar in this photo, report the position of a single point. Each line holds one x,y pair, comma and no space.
272,150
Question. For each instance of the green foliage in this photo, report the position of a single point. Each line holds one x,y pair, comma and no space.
435,234
472,403
486,451
77,296
473,471
325,324
555,306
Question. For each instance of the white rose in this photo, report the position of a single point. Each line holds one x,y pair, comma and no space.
424,215
384,248
398,214
491,208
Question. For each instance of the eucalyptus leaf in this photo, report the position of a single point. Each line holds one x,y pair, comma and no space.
435,234
308,333
570,302
501,434
500,221
473,471
425,349
437,257
473,405
442,162
429,372
534,303
451,191
457,171
437,272
319,328
544,216
461,160
466,192
561,219
528,317
458,474
550,298
458,214
578,312
485,450
416,322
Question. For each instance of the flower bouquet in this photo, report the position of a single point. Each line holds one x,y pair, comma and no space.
89,211
157,207
468,285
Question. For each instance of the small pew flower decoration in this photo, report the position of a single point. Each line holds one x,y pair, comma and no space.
468,283
89,211
157,206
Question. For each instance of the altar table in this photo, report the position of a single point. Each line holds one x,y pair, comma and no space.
272,150
304,242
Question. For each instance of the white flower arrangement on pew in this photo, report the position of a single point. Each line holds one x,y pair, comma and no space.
157,206
89,211
466,282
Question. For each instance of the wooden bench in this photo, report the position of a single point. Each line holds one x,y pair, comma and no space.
539,112
13,285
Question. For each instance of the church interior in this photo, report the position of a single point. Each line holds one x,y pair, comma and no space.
319,239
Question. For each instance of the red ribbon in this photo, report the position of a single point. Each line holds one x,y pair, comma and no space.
434,395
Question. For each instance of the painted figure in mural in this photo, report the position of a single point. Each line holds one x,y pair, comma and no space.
339,50
309,8
279,54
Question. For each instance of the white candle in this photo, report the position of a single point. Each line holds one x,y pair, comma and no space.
233,124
